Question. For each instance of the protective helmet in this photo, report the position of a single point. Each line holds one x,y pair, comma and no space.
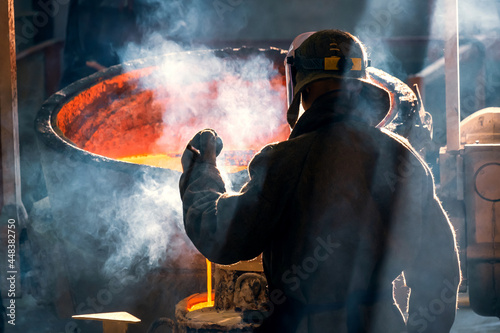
314,56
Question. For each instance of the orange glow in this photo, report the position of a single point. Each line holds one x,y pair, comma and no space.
121,119
113,118
194,300
157,160
198,303
210,301
201,305
234,161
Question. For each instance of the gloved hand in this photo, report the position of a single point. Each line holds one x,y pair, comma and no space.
205,146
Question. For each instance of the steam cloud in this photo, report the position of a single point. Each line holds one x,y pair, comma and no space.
143,237
242,99
475,18
187,22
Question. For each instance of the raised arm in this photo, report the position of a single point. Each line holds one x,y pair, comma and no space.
225,227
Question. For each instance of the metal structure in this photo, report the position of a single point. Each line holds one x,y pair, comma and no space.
469,184
12,208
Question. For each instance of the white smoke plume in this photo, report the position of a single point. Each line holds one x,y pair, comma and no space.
243,99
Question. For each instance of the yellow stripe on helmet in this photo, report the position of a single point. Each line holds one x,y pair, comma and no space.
332,64
357,64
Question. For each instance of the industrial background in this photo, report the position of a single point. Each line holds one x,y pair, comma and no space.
67,203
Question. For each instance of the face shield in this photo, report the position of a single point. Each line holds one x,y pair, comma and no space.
289,64
327,54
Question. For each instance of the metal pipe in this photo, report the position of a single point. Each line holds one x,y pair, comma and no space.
9,136
452,76
12,208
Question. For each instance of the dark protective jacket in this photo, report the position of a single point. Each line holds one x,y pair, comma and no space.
339,210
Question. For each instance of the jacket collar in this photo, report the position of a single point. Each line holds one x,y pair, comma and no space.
326,109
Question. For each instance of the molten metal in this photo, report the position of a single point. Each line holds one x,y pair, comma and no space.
200,302
233,161
152,126
210,297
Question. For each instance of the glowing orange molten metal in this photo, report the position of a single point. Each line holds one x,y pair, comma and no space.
234,161
210,297
120,119
197,302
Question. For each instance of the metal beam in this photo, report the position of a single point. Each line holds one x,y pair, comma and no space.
13,214
452,76
9,131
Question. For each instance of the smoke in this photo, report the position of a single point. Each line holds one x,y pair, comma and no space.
145,223
387,28
127,227
236,97
407,38
478,24
188,22
475,18
242,97
197,90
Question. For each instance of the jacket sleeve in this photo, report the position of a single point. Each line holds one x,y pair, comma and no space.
434,275
229,227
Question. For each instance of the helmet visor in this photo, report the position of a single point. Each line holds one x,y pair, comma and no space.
289,64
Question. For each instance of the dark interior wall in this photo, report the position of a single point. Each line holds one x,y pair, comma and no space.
110,25
38,21
207,21
283,20
106,26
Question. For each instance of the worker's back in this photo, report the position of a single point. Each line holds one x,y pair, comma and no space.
352,222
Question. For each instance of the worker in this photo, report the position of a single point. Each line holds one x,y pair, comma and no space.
339,210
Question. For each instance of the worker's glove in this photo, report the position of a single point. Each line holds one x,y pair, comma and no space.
205,146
